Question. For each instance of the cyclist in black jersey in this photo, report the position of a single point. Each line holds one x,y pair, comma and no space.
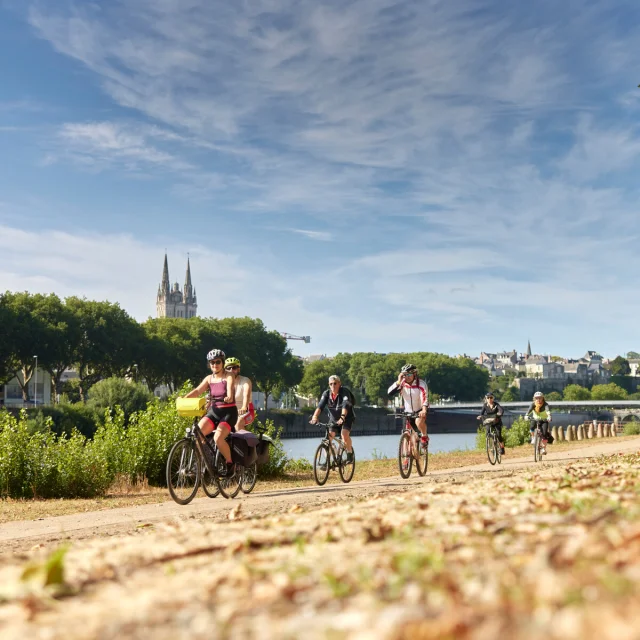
338,401
491,408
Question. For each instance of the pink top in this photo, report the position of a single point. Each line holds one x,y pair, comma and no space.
218,391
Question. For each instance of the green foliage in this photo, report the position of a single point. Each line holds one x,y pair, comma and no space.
632,428
512,394
634,396
554,395
112,392
518,434
277,457
481,438
64,419
620,366
609,391
576,392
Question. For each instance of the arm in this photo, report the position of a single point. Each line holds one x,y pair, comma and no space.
345,405
424,391
500,411
246,396
231,389
548,410
199,390
321,405
529,410
394,389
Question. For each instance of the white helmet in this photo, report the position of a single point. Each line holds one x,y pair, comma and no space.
216,353
538,394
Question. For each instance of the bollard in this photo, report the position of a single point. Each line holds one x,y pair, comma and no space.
554,432
574,431
605,430
580,432
570,434
590,431
599,432
561,437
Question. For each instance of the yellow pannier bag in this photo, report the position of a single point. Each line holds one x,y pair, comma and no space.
191,407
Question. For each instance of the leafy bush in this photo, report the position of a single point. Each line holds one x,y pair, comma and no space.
518,434
64,419
554,395
576,392
632,428
277,456
118,392
481,438
609,391
512,394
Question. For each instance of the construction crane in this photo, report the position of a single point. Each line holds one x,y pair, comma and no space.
290,336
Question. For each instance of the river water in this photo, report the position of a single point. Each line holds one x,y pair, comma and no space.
371,447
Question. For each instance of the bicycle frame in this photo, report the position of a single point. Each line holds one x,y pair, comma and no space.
328,440
413,430
201,445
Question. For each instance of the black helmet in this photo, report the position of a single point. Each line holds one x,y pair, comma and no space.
216,353
488,395
409,368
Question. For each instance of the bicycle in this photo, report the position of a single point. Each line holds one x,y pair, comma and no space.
331,455
411,447
189,462
537,439
250,475
494,449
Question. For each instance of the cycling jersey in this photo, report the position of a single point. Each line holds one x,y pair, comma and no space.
543,414
495,411
336,402
218,391
415,395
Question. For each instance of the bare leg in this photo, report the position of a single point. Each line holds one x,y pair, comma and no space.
206,426
346,438
240,423
221,443
421,423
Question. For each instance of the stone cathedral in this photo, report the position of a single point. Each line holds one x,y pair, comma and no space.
173,303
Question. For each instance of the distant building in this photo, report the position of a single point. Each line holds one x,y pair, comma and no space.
40,393
173,303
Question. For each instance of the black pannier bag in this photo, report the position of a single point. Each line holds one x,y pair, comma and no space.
243,450
263,450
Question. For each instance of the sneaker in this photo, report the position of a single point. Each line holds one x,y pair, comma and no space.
532,441
424,441
544,451
349,457
227,472
501,451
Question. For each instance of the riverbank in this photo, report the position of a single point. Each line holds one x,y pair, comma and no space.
126,495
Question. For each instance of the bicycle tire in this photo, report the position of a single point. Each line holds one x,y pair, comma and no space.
209,484
405,459
229,485
183,471
319,474
249,478
344,467
491,447
498,450
423,456
537,454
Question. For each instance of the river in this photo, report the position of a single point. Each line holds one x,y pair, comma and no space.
372,447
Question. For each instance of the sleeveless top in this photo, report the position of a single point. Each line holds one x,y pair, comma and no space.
218,392
241,382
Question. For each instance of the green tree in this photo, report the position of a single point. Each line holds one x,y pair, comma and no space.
633,355
620,366
576,392
554,395
117,392
315,378
512,394
8,337
608,392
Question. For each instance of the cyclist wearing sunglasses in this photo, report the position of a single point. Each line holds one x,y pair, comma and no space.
247,412
492,409
223,412
415,394
338,401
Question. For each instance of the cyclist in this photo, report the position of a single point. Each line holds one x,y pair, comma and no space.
540,410
246,412
415,394
223,412
491,408
339,403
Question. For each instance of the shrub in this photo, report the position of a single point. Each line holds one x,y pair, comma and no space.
117,392
518,434
64,419
576,392
609,391
632,428
277,456
554,395
481,438
512,394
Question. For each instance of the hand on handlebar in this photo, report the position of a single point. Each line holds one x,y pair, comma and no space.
313,420
228,399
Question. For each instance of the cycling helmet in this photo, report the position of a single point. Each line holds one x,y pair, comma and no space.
231,362
538,394
409,368
489,394
216,353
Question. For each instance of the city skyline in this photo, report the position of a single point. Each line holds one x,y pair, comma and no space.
382,176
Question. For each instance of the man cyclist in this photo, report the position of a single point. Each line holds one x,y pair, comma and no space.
223,413
539,410
246,411
415,394
492,409
338,401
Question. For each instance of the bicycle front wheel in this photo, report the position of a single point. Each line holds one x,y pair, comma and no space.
537,453
183,471
405,460
321,464
229,485
498,449
422,460
249,478
491,447
209,484
347,469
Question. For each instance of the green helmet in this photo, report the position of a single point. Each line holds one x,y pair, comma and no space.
230,362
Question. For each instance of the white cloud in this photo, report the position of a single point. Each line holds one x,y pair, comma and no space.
313,235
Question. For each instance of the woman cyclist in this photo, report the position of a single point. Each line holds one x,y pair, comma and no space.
223,412
415,394
492,409
247,411
540,410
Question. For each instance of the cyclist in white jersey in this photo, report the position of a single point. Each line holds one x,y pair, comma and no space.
415,394
243,387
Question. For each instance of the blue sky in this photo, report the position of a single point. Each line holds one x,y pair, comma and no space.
453,176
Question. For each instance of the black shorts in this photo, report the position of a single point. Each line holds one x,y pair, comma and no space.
346,425
223,414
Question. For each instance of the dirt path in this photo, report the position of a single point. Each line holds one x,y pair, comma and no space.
23,535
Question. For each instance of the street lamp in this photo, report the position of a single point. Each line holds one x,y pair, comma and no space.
135,366
35,385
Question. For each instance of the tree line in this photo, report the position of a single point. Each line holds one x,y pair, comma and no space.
369,375
100,340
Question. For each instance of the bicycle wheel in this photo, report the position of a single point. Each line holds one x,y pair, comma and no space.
183,471
537,454
209,484
229,485
405,459
491,447
498,449
249,478
321,463
422,460
345,468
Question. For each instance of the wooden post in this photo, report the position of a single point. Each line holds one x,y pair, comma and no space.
580,432
554,432
590,431
599,432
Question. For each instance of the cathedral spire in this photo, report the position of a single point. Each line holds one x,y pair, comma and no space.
188,287
529,348
166,285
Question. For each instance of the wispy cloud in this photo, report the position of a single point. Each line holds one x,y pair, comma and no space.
313,235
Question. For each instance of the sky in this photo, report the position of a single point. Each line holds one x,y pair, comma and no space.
451,176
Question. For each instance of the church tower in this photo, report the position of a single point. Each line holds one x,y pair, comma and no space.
173,303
